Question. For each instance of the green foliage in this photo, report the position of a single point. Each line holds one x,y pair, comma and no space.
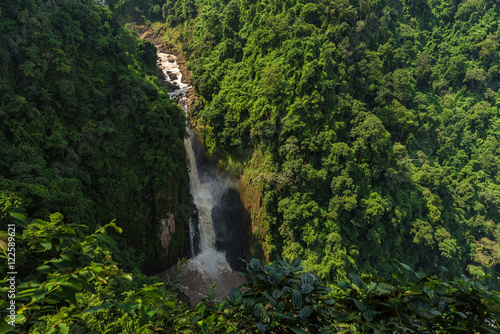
278,297
85,131
282,298
380,118
82,297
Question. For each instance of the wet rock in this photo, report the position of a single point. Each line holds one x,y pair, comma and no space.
173,76
231,227
172,86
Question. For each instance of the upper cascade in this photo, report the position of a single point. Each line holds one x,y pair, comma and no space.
173,75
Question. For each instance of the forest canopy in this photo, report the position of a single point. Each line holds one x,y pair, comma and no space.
370,127
87,135
365,130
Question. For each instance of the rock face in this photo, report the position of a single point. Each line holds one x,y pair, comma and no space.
250,193
171,86
231,230
167,229
166,239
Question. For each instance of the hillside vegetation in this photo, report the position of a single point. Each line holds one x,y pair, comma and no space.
366,128
374,123
87,136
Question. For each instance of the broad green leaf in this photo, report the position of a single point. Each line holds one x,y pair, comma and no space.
383,289
435,312
60,264
306,311
275,278
95,269
19,219
344,317
93,309
360,305
146,317
255,264
260,312
45,269
127,307
296,299
261,327
271,299
305,289
298,330
106,239
420,274
296,262
357,281
261,277
68,257
407,267
26,293
235,295
344,285
56,244
39,294
63,328
46,244
307,278
68,293
368,315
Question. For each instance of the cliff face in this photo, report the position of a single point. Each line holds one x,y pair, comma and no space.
165,232
172,205
251,192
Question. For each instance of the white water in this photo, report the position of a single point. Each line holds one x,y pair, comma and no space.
203,198
173,74
209,266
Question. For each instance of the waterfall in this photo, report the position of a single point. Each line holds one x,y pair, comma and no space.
207,187
206,190
203,197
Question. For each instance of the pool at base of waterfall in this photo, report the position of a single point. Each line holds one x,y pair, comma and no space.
205,269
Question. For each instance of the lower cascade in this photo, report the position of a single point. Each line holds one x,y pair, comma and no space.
210,221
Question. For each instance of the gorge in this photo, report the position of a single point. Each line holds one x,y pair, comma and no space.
213,229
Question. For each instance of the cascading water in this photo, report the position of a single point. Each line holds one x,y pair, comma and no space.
207,188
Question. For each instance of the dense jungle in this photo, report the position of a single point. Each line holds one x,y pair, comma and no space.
363,135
